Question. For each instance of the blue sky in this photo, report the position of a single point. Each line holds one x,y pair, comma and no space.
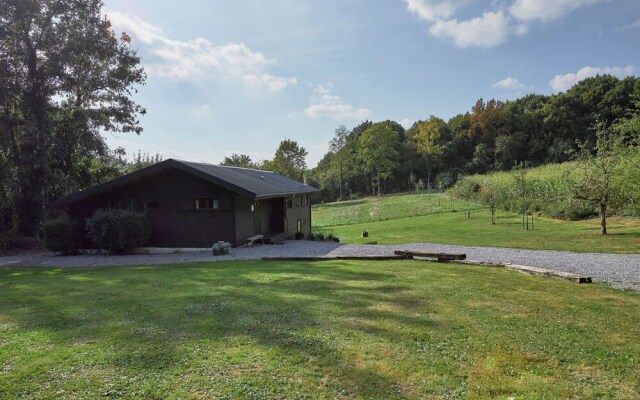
239,76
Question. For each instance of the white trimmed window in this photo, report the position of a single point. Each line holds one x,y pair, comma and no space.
206,203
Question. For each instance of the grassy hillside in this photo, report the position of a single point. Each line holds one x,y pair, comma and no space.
390,207
550,190
442,226
329,330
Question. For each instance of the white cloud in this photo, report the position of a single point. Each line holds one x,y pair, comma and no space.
495,25
337,111
332,106
432,10
406,123
198,58
274,83
634,25
489,30
563,82
509,83
527,10
323,88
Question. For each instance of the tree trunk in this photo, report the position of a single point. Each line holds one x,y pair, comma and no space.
340,179
603,219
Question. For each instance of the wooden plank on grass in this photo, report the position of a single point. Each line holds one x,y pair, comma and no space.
525,269
374,258
439,256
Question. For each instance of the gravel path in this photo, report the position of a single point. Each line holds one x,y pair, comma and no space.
618,270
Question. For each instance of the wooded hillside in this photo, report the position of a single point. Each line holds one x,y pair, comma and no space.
382,157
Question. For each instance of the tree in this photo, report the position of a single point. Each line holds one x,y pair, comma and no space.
378,153
289,160
429,140
522,191
491,196
466,189
597,184
238,160
336,146
65,77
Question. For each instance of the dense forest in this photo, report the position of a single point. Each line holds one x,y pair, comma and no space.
383,157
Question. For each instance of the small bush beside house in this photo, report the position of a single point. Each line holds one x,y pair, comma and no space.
63,235
118,231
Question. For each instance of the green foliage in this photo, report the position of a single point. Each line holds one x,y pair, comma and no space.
63,235
378,151
492,136
322,236
118,230
596,184
239,160
11,241
289,160
66,78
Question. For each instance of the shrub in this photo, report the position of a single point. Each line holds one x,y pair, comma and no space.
118,230
365,233
62,235
320,236
299,235
312,236
331,237
220,248
10,240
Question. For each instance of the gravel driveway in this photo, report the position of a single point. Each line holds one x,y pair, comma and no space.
618,270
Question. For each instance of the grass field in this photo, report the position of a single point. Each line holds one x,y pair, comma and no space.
418,218
256,330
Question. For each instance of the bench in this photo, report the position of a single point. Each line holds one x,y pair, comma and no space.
253,239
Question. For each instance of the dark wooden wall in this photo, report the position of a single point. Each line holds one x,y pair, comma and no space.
175,222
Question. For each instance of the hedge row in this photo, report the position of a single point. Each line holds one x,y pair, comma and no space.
114,230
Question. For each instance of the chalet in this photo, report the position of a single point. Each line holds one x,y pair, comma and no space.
194,204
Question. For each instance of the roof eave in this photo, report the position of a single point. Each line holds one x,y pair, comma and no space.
285,194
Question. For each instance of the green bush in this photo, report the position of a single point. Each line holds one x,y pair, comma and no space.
319,236
312,236
299,235
10,240
118,231
63,235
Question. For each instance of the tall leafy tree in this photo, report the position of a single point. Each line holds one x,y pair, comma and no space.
429,139
597,184
66,76
378,151
289,159
238,160
336,146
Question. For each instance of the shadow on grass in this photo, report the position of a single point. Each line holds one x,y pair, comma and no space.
144,316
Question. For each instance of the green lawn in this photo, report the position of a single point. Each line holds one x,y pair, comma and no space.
404,222
259,330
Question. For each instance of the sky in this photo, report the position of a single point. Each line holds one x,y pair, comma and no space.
239,76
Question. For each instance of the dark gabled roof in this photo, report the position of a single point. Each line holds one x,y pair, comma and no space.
251,183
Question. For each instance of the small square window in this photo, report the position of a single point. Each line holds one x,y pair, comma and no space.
206,203
289,203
